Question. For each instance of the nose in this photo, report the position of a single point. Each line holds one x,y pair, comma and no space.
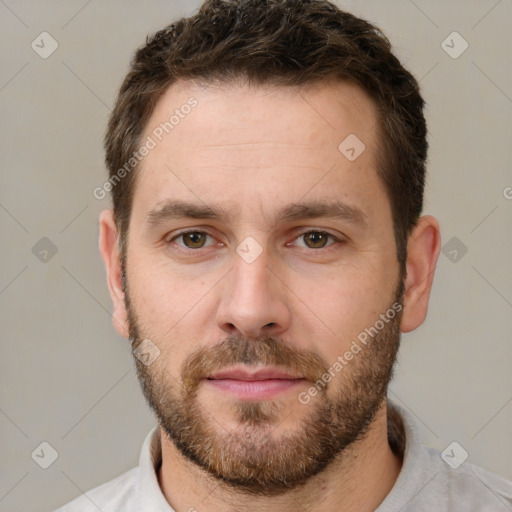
253,300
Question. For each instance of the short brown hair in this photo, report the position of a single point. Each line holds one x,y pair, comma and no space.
286,43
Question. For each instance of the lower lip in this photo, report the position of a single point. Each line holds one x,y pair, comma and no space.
254,389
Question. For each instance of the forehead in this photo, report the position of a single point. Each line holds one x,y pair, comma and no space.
326,111
253,144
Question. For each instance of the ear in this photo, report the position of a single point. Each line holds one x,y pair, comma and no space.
110,254
423,249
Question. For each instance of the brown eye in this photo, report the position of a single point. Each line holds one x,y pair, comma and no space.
316,239
191,239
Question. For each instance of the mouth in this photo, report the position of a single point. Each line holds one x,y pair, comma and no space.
260,384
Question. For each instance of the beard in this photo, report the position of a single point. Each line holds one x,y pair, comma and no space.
253,458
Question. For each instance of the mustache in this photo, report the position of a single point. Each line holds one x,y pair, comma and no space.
264,350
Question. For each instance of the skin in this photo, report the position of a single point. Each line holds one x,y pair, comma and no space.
252,150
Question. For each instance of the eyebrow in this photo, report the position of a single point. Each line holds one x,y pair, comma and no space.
177,210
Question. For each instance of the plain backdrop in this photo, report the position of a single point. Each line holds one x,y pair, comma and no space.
67,378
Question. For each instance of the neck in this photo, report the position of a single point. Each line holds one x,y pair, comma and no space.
358,480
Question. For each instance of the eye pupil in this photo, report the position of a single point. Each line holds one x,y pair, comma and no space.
316,239
196,238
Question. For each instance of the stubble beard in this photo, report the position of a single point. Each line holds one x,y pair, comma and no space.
258,458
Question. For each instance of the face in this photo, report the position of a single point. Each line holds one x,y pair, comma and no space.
261,265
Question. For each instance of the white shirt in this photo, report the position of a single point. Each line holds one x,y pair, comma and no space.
426,482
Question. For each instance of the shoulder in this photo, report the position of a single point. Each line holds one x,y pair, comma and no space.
468,487
108,497
444,482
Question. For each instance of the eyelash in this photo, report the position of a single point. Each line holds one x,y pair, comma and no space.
192,252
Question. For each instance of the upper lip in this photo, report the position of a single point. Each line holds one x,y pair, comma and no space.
259,374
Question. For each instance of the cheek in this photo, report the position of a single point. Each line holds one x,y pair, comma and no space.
335,312
161,295
171,311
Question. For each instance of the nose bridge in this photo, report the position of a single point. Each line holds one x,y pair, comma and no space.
251,277
252,301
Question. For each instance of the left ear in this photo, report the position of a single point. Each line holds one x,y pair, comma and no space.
423,249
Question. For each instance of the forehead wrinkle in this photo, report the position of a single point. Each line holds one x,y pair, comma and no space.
259,143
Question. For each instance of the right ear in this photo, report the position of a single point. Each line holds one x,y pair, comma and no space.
110,254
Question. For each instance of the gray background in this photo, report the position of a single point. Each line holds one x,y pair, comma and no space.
67,378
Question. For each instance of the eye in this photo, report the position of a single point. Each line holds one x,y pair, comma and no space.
316,239
192,239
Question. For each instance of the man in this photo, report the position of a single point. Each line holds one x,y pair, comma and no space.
265,251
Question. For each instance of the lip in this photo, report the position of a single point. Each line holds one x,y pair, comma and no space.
257,385
255,375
